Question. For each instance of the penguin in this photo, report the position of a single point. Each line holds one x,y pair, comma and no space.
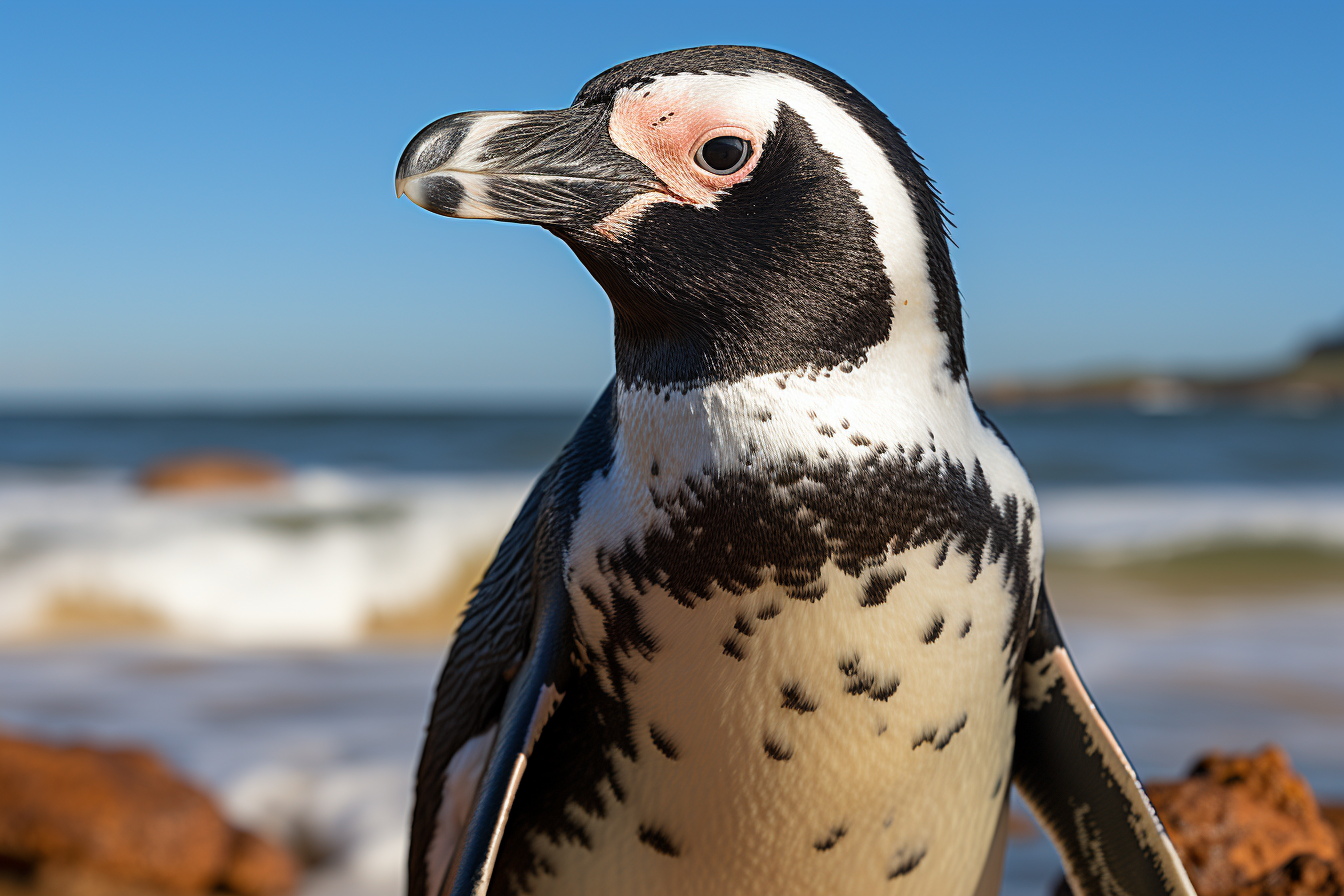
774,621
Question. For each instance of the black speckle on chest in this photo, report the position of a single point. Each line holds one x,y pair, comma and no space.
733,533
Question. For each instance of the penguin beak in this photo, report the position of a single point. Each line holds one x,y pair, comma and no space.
554,168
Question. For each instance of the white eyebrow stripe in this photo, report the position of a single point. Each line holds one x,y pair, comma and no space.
619,223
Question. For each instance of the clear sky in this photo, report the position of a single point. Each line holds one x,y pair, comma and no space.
196,199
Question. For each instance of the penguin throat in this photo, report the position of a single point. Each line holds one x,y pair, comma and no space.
687,357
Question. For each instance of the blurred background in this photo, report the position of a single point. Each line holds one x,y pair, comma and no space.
262,425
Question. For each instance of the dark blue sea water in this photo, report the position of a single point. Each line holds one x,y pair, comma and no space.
1080,446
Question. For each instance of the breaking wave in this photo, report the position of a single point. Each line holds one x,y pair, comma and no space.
327,557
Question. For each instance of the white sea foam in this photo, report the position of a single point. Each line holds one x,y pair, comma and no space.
311,562
1172,517
305,564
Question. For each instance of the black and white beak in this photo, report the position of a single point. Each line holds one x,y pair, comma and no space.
554,168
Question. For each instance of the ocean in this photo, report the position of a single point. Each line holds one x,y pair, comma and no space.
275,646
1058,446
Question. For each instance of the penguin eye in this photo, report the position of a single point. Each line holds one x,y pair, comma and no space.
723,155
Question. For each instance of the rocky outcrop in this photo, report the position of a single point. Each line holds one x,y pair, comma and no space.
1334,816
257,867
1304,875
1237,819
210,473
100,822
1249,826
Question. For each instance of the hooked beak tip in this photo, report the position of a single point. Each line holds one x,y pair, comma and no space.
399,185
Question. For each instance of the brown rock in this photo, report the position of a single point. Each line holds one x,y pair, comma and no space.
1305,875
1334,816
1249,826
117,812
257,867
1302,876
64,880
210,473
83,820
1236,819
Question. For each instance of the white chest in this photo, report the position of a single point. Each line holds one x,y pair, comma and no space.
812,647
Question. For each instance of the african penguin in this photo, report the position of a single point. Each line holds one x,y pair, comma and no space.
774,621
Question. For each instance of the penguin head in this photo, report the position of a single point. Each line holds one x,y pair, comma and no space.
747,213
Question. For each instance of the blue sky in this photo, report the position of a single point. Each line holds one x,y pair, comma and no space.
196,200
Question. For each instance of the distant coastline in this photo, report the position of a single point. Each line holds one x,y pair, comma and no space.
1312,383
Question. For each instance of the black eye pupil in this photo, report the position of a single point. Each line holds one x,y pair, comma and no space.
723,155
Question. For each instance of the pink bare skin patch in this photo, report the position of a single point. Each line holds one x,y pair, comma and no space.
664,124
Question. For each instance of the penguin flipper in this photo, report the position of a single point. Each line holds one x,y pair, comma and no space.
506,672
504,675
1071,771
